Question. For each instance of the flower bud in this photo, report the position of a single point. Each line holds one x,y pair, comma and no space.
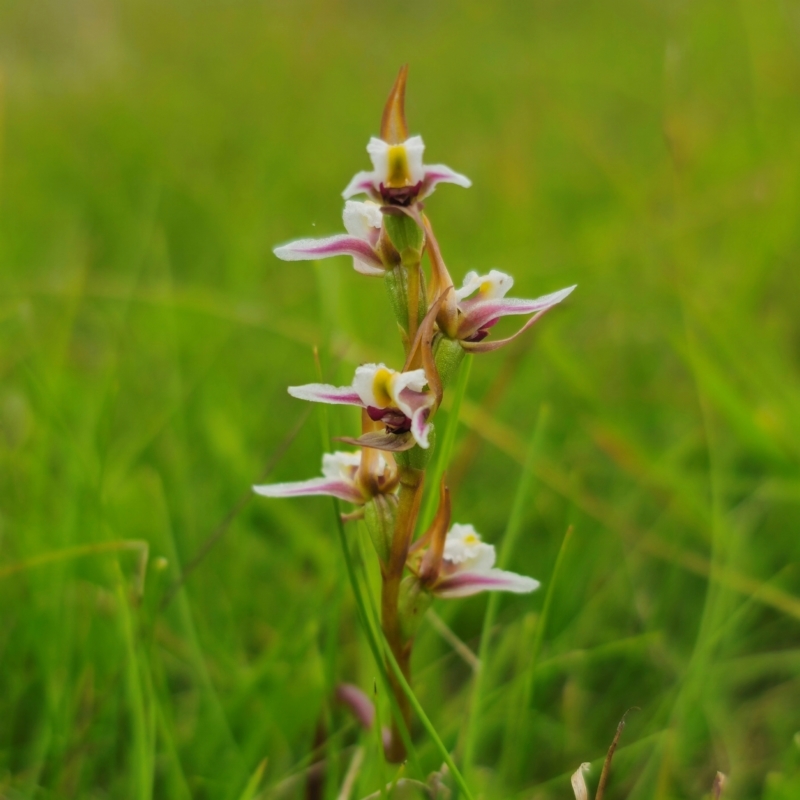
412,604
396,281
448,355
379,517
407,237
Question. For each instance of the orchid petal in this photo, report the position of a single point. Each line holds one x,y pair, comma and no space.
420,428
489,287
325,393
415,147
316,486
339,245
465,584
362,183
406,389
439,173
361,219
464,551
378,152
485,311
367,269
340,464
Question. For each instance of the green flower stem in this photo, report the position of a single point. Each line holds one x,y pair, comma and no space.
409,498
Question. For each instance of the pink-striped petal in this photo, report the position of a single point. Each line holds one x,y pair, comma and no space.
420,428
439,173
340,245
483,312
464,584
316,486
325,393
362,183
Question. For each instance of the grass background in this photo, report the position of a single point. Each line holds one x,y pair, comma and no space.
152,155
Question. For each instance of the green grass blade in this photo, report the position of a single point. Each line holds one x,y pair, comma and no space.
511,755
143,744
513,528
255,781
426,723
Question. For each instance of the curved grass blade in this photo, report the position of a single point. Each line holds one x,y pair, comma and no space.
510,536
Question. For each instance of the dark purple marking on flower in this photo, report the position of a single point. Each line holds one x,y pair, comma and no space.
482,332
394,419
401,196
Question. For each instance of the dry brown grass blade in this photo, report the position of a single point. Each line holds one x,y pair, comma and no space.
601,786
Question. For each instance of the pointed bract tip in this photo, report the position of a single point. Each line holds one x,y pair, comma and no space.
394,129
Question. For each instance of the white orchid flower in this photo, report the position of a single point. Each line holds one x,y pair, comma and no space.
398,176
467,314
362,221
397,399
482,301
340,478
467,568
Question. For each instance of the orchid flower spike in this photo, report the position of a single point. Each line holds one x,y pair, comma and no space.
467,567
399,400
372,254
341,477
398,176
481,302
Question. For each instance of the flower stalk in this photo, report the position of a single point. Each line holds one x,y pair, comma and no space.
387,235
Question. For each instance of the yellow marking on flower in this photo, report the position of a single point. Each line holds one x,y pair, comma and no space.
397,174
471,538
486,287
382,388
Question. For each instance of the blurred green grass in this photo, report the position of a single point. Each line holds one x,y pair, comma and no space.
154,153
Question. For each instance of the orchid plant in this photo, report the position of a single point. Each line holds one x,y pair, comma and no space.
387,236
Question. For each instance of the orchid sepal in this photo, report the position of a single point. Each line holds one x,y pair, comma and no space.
341,478
326,393
313,487
365,259
465,584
